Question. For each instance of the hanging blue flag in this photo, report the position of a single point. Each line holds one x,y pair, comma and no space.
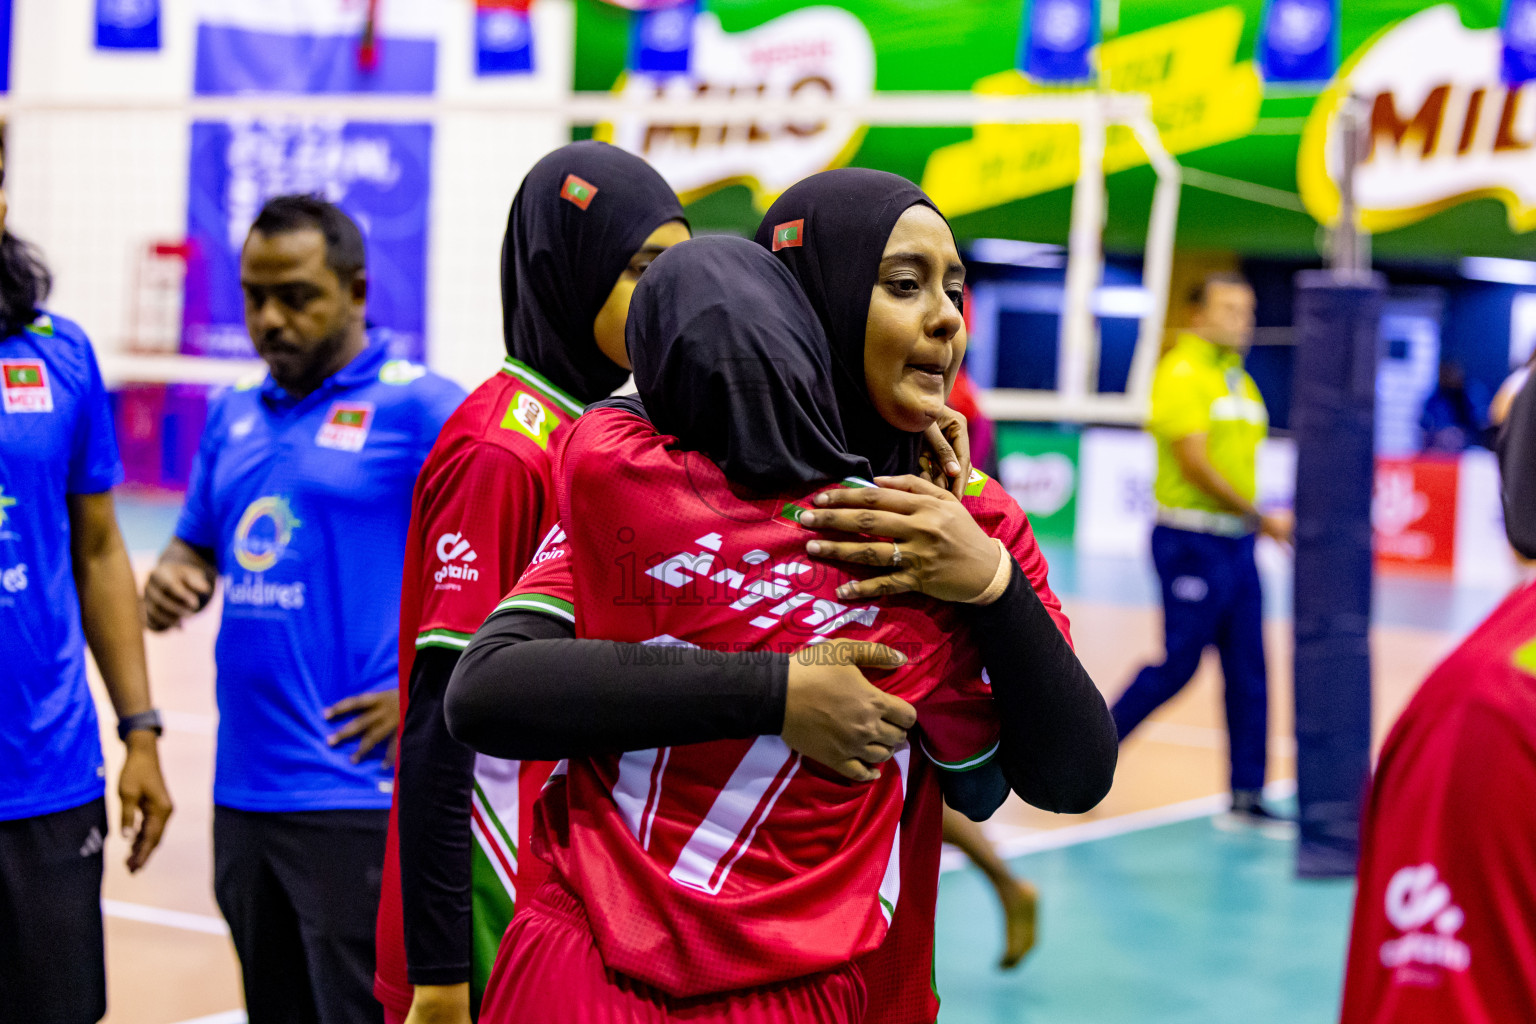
661,40
1299,41
1060,35
5,46
1518,32
262,46
128,24
503,41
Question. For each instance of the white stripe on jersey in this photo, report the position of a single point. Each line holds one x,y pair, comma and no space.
632,789
738,808
890,885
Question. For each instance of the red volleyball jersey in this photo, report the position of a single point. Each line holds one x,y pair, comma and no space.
1445,912
731,864
899,975
483,500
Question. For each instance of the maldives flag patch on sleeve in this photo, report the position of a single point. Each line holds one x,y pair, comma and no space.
25,382
346,426
789,235
578,191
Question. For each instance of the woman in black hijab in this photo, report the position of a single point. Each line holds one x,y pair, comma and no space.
879,264
830,231
585,223
729,361
728,358
571,259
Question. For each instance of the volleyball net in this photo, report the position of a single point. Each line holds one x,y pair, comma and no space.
103,187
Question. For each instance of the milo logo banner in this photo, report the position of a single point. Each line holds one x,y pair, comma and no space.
816,51
1232,88
1445,127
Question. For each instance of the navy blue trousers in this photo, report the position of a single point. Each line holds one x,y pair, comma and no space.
1211,596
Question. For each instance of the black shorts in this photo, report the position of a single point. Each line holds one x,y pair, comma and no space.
300,891
53,966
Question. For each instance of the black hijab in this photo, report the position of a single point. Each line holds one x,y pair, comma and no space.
565,248
728,357
845,217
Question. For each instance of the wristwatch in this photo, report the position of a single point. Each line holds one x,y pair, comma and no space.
143,720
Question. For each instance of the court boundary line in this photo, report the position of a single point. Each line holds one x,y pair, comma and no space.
223,1017
188,922
1009,847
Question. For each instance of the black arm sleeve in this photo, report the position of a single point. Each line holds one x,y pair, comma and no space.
520,692
1517,468
1059,744
976,793
435,778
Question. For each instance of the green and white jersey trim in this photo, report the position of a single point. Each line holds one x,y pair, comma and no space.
541,603
528,375
965,764
497,835
890,884
444,638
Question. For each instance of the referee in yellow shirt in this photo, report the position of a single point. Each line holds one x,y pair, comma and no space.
1208,418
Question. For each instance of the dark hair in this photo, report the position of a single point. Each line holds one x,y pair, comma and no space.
344,251
1197,294
24,284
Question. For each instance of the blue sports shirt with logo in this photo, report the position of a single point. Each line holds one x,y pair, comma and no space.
304,504
56,439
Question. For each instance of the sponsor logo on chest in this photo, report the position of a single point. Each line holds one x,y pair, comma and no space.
14,579
775,595
261,539
25,383
346,426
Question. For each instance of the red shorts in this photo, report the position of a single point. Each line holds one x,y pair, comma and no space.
548,971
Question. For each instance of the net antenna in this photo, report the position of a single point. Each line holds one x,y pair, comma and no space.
1075,399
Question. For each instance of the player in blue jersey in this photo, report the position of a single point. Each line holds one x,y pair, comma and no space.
298,505
65,582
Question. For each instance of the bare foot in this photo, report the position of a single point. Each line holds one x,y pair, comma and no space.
1020,901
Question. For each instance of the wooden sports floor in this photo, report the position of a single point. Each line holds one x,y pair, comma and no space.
170,961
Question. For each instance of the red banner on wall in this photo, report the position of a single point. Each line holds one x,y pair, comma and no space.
1413,513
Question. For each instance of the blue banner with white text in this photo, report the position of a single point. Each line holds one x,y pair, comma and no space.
379,173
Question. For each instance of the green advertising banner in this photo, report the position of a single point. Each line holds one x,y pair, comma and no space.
1451,172
1039,467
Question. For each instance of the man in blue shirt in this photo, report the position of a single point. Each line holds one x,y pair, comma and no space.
299,503
65,581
